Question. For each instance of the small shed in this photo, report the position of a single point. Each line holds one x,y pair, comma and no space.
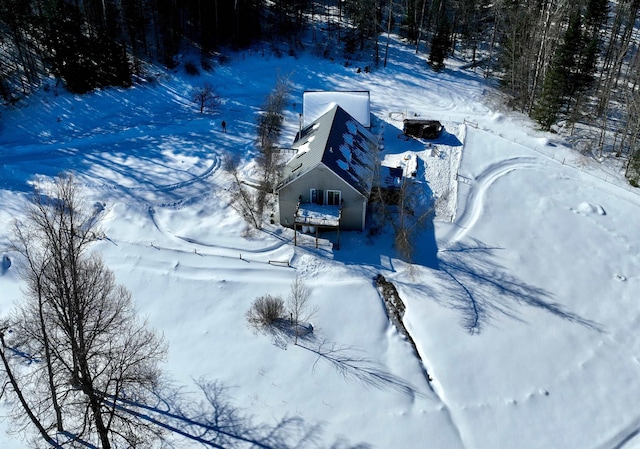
425,129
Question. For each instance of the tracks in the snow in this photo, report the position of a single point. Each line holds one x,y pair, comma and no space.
478,187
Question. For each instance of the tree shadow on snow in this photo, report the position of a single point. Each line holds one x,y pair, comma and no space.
210,419
481,289
472,281
348,361
352,366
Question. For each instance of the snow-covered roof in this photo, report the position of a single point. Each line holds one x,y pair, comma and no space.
341,143
317,103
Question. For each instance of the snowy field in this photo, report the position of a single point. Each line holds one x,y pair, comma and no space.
525,309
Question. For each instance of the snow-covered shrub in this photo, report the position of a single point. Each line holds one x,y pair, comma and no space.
266,311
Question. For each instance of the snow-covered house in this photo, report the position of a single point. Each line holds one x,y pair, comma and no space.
328,182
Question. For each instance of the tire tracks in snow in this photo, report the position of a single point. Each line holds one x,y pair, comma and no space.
90,148
210,170
471,213
185,244
474,202
225,251
627,438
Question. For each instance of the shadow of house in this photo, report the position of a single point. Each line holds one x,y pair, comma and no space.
328,182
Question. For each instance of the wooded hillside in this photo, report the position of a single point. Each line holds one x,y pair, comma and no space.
572,66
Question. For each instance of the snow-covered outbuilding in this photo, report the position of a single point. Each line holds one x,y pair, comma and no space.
427,129
356,103
328,182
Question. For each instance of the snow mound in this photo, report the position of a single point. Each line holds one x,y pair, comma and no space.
588,209
544,141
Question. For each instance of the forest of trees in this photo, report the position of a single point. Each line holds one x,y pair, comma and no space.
571,65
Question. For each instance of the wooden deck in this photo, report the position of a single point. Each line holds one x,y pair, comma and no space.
311,217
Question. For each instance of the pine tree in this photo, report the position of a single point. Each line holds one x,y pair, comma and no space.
365,15
561,80
572,70
410,22
69,47
440,45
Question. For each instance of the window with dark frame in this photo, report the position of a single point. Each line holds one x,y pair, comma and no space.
333,197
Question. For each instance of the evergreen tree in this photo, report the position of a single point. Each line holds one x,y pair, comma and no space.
411,20
20,60
572,70
365,16
562,80
68,47
471,17
440,45
595,15
168,30
86,51
137,27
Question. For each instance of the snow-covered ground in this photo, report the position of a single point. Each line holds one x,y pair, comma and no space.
527,322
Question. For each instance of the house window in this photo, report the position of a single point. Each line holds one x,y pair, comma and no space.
333,197
316,196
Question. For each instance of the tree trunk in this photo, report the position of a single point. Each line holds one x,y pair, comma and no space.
49,362
386,50
25,405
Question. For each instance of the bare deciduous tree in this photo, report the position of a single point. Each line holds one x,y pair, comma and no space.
80,326
206,98
248,204
300,311
282,320
24,405
269,129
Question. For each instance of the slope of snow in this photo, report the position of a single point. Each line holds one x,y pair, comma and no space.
526,323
